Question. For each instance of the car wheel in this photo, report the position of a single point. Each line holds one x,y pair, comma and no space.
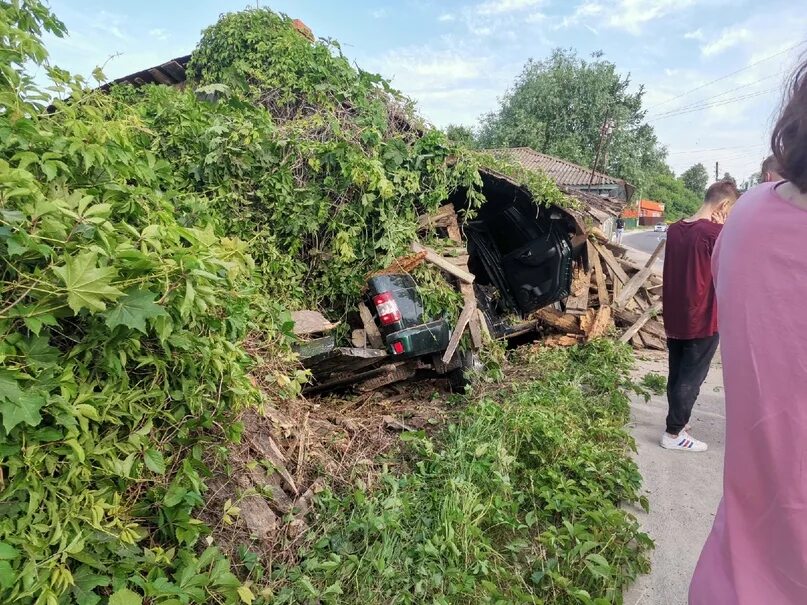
461,377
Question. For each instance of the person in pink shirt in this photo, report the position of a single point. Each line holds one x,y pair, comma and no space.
757,550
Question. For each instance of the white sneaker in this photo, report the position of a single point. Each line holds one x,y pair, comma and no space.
684,441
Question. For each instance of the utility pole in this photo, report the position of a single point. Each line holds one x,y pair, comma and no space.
716,172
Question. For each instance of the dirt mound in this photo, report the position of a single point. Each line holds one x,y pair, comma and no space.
262,493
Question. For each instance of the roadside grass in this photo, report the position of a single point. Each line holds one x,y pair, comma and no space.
516,502
655,383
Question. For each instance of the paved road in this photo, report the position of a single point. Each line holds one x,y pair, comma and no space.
645,241
684,488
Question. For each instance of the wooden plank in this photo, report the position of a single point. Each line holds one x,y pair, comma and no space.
444,264
653,342
453,228
637,342
160,76
643,319
359,338
473,324
343,359
577,304
601,323
483,323
563,322
613,264
599,277
438,219
638,280
628,318
463,320
370,329
308,322
632,267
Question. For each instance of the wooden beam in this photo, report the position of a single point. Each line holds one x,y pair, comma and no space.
577,303
599,276
639,324
438,219
613,264
463,320
473,324
563,322
638,280
371,330
601,323
444,263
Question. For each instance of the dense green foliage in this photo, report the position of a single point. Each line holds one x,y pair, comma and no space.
695,178
143,235
679,202
461,134
518,502
560,105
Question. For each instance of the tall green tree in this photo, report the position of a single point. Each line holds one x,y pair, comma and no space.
572,107
695,178
678,200
727,177
461,134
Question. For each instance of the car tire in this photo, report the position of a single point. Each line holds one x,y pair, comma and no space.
461,377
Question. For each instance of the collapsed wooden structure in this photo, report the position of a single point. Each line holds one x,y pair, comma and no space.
613,295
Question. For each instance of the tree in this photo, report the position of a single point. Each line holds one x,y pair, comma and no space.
461,134
728,177
696,178
572,108
678,200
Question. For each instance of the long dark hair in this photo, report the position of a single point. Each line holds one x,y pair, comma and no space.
789,139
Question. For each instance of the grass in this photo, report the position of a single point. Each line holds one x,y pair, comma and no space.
517,502
655,383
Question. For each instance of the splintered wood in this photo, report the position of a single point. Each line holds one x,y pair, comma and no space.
610,296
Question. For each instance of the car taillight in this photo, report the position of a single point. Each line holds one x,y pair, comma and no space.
387,308
397,347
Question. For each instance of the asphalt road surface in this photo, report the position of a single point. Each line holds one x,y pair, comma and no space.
645,241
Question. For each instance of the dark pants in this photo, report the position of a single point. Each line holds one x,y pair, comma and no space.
689,365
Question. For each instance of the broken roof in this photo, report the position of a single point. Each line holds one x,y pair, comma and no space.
169,73
561,171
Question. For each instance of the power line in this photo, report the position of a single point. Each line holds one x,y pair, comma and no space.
720,79
709,106
716,149
745,87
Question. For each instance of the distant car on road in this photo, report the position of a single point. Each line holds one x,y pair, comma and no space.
660,228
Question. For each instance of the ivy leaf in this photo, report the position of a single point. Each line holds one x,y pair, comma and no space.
7,575
24,408
8,552
87,285
9,389
154,461
39,353
124,596
133,310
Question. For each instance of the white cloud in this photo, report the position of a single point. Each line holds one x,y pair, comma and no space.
498,7
160,34
694,35
536,17
631,15
446,17
584,10
729,38
379,13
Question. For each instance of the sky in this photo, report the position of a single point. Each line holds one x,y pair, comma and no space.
713,71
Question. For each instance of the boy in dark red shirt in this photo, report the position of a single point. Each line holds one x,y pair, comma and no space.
690,310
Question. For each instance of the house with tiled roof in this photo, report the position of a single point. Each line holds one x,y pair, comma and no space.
603,196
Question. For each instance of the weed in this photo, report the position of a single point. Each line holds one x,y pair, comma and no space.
655,383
